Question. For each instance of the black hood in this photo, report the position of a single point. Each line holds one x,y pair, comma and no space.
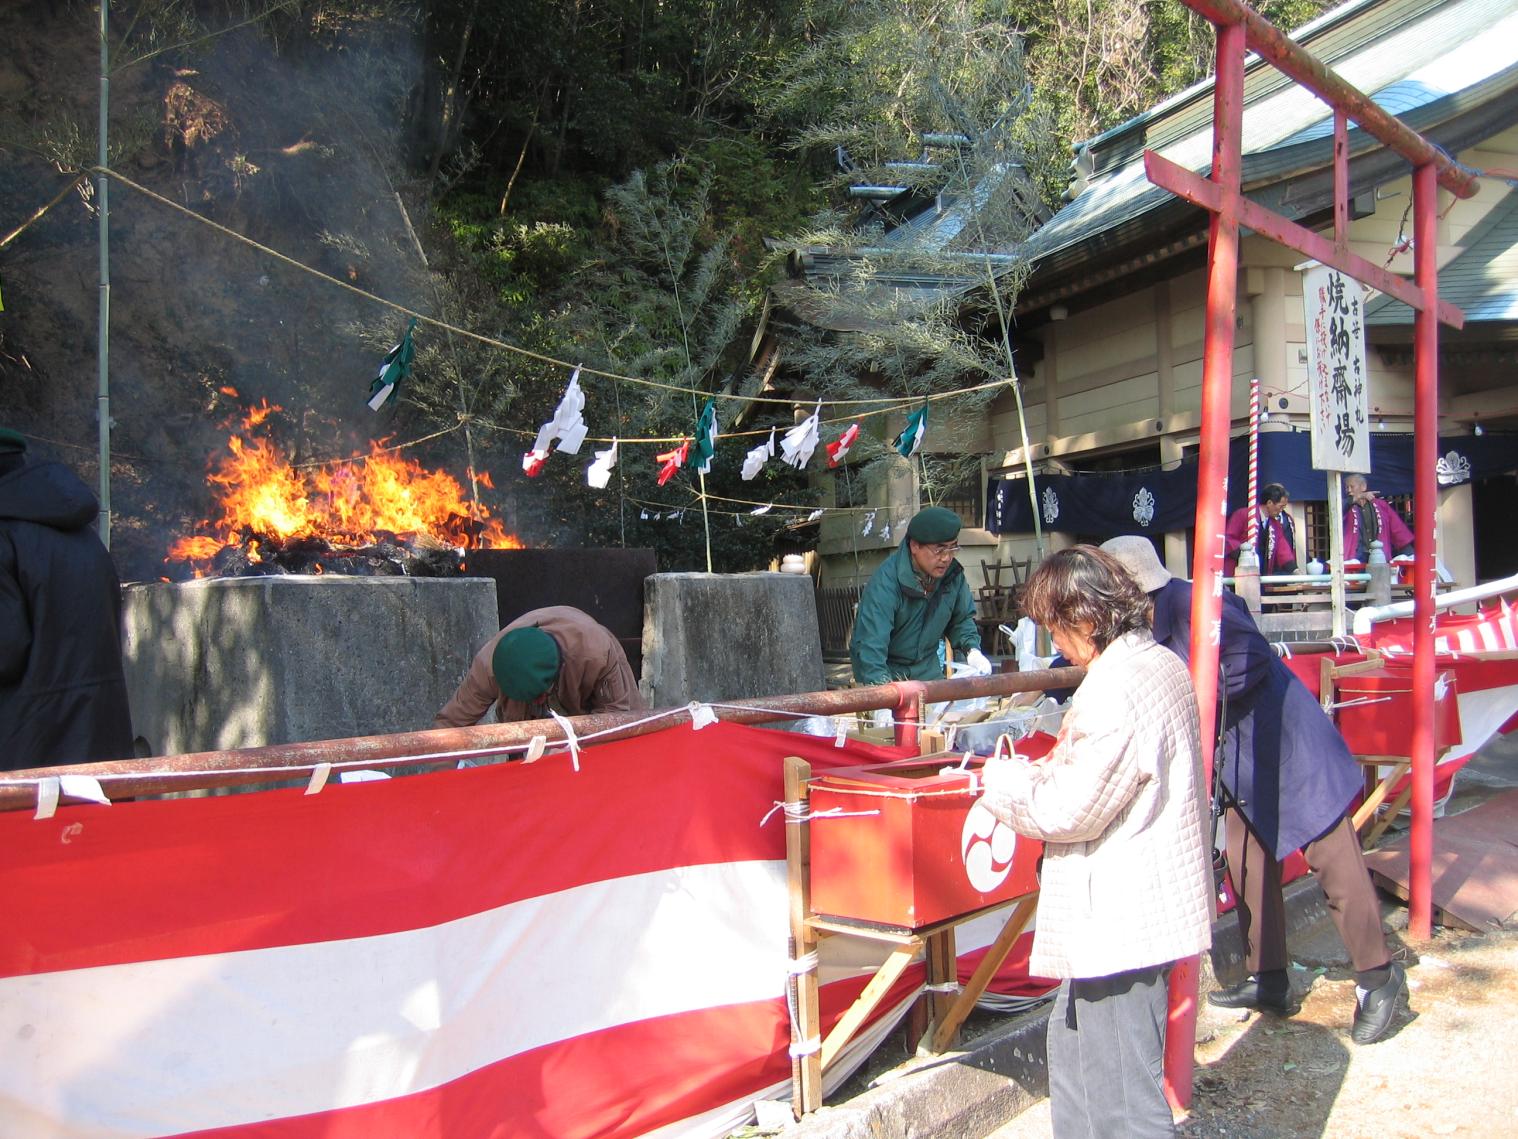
49,494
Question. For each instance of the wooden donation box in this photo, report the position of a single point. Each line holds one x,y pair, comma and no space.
910,846
1376,714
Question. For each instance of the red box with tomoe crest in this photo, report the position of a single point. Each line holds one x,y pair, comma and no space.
907,844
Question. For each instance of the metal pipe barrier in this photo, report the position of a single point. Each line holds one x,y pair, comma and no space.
1366,617
445,746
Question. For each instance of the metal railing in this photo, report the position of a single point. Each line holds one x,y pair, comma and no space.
1366,617
440,747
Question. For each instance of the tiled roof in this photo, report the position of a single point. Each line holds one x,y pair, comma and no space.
1482,279
1412,56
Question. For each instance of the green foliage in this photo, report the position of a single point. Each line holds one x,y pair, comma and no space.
528,254
915,302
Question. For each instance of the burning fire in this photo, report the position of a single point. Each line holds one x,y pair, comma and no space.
263,498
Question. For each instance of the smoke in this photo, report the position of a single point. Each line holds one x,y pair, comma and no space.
292,136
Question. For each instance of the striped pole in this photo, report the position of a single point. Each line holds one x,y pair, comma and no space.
1254,460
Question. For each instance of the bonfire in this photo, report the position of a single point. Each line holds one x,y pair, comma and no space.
375,513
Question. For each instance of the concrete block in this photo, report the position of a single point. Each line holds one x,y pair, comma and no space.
728,636
956,1095
242,662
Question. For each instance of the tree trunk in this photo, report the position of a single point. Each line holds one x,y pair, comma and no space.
451,102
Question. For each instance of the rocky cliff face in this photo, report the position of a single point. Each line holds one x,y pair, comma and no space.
290,136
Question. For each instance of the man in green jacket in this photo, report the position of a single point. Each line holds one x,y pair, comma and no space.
914,600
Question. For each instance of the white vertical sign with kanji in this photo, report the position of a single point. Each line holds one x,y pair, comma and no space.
1338,389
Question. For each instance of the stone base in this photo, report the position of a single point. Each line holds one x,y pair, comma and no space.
244,662
710,636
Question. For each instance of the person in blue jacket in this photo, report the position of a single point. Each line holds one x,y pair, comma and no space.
916,598
1289,780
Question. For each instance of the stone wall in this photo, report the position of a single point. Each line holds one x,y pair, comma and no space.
242,662
728,636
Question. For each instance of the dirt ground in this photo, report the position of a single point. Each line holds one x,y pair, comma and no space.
1449,1067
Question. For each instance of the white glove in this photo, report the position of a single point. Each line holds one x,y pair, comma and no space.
881,718
978,662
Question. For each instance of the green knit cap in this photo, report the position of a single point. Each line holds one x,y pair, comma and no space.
525,663
933,525
11,442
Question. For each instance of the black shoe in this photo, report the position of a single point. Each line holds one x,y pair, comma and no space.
1249,993
1376,1008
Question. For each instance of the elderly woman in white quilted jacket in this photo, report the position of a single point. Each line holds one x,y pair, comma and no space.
1126,883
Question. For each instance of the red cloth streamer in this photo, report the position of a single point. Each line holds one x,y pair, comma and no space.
839,447
673,461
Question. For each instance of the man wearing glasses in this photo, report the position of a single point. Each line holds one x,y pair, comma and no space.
916,598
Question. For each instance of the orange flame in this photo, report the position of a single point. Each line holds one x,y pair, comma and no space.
345,503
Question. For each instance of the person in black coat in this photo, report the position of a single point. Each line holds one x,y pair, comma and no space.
1289,781
63,695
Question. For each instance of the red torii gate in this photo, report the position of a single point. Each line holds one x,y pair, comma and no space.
1240,28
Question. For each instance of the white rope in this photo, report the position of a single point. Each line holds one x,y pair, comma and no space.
942,987
454,755
339,765
959,792
796,966
806,1047
796,812
1360,700
778,713
836,813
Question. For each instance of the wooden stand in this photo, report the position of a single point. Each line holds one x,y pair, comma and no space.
1377,787
945,1011
1369,819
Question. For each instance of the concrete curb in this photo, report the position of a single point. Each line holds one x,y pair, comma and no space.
971,1093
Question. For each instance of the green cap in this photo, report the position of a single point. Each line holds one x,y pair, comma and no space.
933,525
525,663
11,442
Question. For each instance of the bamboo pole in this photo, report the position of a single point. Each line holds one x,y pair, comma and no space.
103,347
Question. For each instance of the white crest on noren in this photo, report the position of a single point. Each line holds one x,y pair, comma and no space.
1453,468
1051,506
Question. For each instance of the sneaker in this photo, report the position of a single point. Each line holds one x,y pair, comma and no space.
1376,1008
1249,993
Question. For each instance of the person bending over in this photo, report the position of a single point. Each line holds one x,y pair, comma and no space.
555,659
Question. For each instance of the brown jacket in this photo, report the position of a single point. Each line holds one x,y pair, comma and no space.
594,675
